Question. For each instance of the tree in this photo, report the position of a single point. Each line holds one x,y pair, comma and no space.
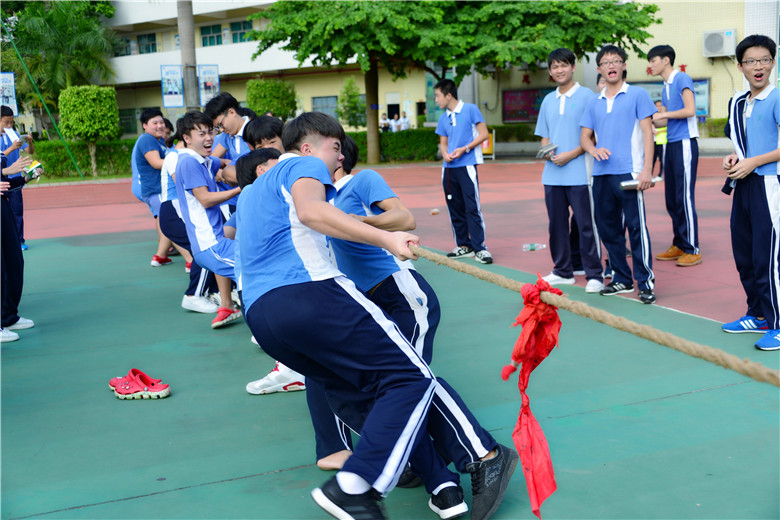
62,43
351,110
270,95
89,113
436,36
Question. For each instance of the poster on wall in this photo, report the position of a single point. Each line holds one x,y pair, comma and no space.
208,82
701,93
172,86
523,105
8,91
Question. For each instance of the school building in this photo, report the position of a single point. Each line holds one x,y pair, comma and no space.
703,34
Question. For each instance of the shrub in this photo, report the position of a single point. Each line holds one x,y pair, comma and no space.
112,157
351,111
713,127
276,96
408,145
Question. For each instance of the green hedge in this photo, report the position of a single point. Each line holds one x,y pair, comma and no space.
713,127
113,157
410,145
518,132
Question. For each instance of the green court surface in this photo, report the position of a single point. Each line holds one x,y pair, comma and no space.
635,430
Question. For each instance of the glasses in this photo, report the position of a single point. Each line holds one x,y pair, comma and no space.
608,63
218,126
750,62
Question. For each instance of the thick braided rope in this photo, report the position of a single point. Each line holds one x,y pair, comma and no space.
745,367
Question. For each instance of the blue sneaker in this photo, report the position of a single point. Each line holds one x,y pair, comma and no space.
770,341
25,247
746,324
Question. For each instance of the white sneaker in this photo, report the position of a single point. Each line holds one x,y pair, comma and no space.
8,335
198,304
579,272
253,340
280,379
23,323
594,286
554,279
235,298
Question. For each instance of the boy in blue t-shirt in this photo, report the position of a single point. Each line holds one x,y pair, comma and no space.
620,120
461,130
754,175
565,177
681,157
305,313
10,144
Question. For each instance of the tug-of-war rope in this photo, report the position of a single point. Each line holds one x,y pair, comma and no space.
745,367
539,336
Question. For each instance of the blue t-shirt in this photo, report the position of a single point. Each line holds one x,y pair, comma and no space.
559,121
364,264
762,127
671,98
204,225
11,157
276,248
148,176
616,125
460,128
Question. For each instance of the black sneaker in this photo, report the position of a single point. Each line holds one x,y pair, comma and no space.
647,296
489,479
448,503
409,479
366,506
461,252
616,288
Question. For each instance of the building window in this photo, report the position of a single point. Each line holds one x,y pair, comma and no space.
211,35
239,30
325,104
147,43
123,47
128,121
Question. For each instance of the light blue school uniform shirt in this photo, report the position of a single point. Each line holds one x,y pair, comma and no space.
364,264
559,121
167,172
616,125
460,128
671,98
11,157
276,248
762,122
204,225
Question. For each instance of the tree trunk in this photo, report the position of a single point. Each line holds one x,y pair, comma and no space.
372,112
92,146
187,47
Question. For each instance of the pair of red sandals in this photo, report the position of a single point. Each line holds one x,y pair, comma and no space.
137,385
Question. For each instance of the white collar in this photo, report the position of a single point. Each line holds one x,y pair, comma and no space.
669,80
622,90
241,131
342,181
288,155
196,155
568,93
764,93
457,108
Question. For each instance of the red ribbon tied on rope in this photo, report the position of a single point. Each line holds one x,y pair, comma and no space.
540,327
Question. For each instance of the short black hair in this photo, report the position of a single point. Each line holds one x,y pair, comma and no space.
756,40
562,55
662,51
246,166
611,49
150,113
350,151
262,128
248,112
310,123
5,111
168,124
191,121
220,104
447,86
169,143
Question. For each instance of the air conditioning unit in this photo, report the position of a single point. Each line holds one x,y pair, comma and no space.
716,44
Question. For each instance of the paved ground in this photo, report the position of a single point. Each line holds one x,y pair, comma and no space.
635,430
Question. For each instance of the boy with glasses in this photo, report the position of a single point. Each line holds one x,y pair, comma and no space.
754,175
620,119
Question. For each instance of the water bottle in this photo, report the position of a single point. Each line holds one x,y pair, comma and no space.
533,247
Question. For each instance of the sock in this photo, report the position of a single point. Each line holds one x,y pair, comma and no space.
352,483
445,485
